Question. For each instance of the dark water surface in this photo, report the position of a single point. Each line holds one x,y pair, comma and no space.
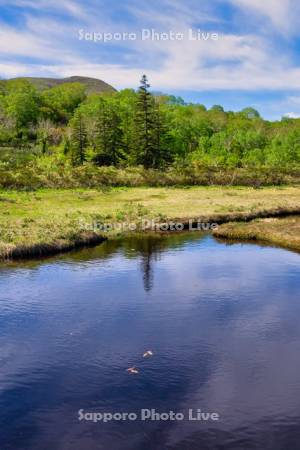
223,323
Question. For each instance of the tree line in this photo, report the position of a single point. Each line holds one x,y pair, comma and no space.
139,128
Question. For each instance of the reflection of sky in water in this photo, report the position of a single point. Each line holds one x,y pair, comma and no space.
223,322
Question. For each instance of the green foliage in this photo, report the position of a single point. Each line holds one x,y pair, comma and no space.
284,150
21,103
250,113
126,104
78,139
217,108
108,134
146,144
60,102
130,128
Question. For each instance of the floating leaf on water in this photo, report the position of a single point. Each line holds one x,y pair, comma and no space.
147,353
132,370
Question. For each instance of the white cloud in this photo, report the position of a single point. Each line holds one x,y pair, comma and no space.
15,43
292,115
184,78
67,6
294,99
280,13
248,62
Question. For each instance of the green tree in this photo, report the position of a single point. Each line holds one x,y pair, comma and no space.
108,134
78,143
250,113
217,108
126,108
22,103
163,140
60,102
145,127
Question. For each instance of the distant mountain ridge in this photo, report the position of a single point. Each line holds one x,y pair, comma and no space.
93,85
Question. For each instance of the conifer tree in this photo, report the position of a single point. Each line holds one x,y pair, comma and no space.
78,138
151,138
146,143
108,134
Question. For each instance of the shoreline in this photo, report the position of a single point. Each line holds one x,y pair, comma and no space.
232,227
22,252
281,232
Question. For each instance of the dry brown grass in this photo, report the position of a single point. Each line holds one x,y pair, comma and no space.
284,232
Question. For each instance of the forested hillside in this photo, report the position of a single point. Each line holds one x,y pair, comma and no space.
64,126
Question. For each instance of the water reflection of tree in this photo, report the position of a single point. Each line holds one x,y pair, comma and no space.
150,251
147,272
148,247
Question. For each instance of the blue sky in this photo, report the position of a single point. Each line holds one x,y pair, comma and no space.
255,60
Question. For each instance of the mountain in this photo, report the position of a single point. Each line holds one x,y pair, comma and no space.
93,85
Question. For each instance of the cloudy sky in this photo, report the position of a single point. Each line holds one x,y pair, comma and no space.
254,62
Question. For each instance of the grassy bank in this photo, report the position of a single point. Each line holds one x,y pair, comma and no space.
284,232
46,221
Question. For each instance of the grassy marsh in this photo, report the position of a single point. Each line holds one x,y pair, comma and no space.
284,232
34,222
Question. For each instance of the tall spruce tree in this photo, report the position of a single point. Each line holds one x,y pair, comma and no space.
146,143
78,138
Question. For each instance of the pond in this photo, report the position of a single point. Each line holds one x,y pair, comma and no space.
222,322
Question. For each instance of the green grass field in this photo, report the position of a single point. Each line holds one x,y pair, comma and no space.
53,217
